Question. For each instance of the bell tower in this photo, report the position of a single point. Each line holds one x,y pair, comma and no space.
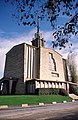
38,41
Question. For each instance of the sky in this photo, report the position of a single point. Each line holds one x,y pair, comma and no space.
11,34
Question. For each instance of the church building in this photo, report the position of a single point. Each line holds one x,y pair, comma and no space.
33,69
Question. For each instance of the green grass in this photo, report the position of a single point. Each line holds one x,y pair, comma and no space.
31,99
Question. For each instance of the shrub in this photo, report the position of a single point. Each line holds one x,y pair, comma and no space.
63,92
51,91
55,91
74,89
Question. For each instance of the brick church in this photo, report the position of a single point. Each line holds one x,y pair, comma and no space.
31,69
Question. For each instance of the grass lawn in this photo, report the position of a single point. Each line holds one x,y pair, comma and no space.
31,99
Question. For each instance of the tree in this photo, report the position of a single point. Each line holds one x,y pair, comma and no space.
27,12
72,66
63,34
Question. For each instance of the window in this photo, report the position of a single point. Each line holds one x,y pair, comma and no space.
52,63
1,87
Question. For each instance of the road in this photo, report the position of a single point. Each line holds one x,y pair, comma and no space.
60,111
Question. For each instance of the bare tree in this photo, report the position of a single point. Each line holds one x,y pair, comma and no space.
72,67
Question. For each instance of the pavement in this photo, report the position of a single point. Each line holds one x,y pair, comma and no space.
59,111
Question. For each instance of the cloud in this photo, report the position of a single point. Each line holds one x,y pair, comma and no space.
73,48
47,35
8,40
6,43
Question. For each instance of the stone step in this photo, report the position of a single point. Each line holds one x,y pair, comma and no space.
73,96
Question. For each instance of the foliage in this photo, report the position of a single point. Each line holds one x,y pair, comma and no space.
63,92
51,91
27,11
31,99
55,91
63,34
74,89
47,91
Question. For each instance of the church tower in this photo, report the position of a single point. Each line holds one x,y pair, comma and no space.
38,41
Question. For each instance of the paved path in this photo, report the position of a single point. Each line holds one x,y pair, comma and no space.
60,111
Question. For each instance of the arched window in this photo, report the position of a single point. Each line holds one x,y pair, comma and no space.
52,63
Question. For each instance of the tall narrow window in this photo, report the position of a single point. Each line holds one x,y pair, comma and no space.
52,63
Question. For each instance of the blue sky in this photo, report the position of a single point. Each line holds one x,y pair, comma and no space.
12,34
